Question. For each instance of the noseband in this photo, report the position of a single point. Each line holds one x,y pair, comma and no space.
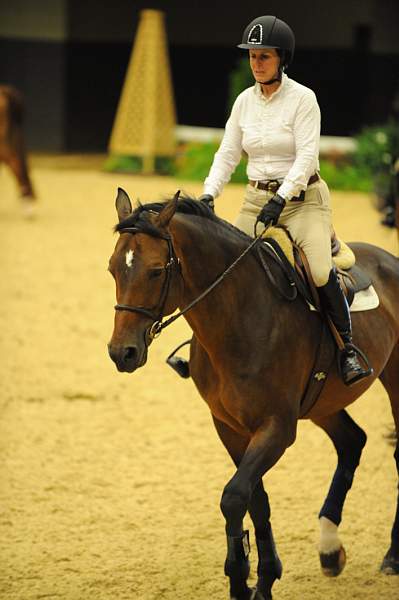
154,314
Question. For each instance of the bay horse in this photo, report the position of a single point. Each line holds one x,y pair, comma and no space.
12,141
250,358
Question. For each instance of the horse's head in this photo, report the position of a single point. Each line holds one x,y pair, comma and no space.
146,273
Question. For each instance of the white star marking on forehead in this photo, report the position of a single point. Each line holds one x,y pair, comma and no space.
129,258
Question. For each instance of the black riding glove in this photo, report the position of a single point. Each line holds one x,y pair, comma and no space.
209,201
271,211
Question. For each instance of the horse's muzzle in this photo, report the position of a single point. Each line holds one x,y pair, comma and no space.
127,358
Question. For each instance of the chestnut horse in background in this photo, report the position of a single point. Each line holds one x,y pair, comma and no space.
12,144
251,357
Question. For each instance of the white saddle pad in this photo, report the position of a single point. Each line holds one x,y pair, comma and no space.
363,300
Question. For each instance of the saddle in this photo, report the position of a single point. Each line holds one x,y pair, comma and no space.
293,263
290,274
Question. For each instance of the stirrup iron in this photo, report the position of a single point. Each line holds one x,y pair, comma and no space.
179,364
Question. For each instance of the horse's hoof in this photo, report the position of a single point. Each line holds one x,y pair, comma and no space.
263,593
390,565
259,596
333,564
253,594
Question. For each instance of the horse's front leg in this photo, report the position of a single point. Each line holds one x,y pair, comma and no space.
266,446
269,564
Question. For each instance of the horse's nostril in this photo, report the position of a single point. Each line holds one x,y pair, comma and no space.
130,353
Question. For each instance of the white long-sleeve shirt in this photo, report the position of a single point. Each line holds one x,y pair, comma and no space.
280,134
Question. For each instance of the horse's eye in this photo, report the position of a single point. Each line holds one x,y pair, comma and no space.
155,272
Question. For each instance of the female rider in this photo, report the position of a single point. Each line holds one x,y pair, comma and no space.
277,123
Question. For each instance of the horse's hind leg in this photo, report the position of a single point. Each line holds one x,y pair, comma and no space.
245,492
349,440
390,380
17,162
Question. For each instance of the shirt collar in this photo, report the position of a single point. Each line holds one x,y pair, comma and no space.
258,89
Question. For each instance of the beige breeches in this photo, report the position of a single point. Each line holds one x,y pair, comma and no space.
309,223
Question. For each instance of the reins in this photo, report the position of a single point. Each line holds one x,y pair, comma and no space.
212,286
158,325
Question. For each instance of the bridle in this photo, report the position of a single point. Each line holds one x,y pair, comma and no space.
157,315
154,314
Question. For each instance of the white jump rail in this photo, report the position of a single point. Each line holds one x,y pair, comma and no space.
328,144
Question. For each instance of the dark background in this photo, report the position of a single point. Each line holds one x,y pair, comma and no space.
69,58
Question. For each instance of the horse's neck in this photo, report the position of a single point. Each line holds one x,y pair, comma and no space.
205,255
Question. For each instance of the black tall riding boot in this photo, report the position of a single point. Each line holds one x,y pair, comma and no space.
334,303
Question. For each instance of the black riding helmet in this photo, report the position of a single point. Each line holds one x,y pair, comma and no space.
270,32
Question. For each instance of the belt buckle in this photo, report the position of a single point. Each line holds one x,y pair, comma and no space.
273,186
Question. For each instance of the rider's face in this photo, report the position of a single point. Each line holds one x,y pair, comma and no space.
264,63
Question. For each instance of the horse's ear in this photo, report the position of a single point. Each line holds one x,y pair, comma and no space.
123,205
168,211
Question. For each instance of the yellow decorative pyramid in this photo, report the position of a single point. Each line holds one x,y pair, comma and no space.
145,120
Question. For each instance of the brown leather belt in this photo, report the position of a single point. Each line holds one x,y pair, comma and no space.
272,185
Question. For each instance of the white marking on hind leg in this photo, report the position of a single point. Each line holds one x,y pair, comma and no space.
329,540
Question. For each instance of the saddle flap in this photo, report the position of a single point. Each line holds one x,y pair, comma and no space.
280,246
282,274
353,280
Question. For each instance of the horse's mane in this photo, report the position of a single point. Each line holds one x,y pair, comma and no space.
139,218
